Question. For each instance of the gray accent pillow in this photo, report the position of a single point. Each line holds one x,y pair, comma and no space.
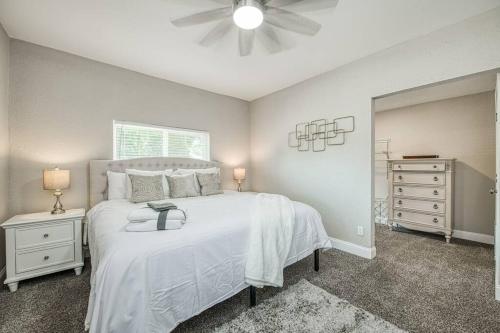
209,183
182,186
146,188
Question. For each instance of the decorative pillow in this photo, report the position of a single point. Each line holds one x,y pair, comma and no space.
182,186
182,172
209,183
117,185
146,188
148,173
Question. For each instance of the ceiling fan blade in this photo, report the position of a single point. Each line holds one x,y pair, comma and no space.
304,5
246,38
203,17
268,36
219,31
288,20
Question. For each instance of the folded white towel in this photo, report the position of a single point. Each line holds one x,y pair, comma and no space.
146,214
152,225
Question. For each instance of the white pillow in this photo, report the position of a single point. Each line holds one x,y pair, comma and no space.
117,185
183,172
167,172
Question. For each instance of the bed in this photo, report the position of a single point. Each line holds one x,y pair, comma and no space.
150,282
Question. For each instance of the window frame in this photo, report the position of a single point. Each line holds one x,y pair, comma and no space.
168,128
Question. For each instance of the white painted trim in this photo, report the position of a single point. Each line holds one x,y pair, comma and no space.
2,272
365,252
497,293
474,236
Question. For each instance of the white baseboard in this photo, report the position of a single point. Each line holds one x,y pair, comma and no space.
473,236
365,252
497,293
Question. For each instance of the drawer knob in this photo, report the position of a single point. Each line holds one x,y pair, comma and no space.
399,166
45,235
436,192
436,206
400,177
436,179
46,258
435,166
400,189
399,214
400,202
435,220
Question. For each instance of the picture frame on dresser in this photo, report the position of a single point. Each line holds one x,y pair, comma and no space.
43,243
421,194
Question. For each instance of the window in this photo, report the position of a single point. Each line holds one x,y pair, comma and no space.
131,140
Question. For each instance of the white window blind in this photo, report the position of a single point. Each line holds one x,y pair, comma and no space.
131,140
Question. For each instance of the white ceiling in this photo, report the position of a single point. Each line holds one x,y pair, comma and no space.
138,35
470,85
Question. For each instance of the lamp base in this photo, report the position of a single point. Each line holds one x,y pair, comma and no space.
58,207
239,186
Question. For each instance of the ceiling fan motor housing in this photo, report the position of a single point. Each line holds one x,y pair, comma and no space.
252,3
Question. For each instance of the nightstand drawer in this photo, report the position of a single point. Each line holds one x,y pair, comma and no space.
43,258
44,234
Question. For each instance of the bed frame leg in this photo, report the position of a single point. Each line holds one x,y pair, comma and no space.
316,260
253,296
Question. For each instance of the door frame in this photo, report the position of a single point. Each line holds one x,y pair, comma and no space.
497,190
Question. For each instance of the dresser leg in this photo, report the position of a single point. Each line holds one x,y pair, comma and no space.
13,286
78,270
448,238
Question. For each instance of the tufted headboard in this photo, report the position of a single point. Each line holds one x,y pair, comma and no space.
99,179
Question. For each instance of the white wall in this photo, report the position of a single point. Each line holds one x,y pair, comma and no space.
461,128
338,182
4,137
61,113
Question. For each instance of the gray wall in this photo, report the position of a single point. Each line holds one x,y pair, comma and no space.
461,128
4,137
339,181
61,113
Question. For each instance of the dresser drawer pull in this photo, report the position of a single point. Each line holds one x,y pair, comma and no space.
435,220
400,202
436,192
46,258
435,166
436,206
400,189
399,166
400,177
399,214
45,235
436,179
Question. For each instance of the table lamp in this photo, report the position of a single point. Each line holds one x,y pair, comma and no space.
239,175
56,180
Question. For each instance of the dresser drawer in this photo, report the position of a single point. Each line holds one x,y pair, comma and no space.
431,220
44,258
438,166
419,178
419,192
423,205
44,234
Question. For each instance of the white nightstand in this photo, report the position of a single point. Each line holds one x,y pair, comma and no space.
42,243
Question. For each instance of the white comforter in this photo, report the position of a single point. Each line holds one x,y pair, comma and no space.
150,282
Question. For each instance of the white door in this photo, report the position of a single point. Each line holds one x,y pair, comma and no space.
497,195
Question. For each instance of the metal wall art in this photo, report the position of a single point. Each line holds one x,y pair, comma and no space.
318,134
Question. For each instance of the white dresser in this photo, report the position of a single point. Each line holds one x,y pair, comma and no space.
421,194
42,243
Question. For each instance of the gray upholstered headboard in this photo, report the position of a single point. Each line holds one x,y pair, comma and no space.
99,179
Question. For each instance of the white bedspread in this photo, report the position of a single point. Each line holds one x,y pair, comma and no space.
150,282
271,235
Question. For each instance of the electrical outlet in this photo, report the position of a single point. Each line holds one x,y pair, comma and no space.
361,231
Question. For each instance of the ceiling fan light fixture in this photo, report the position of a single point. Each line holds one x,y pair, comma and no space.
248,14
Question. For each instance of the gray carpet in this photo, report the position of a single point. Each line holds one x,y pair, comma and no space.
304,307
417,282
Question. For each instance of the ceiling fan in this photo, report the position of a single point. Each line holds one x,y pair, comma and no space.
260,17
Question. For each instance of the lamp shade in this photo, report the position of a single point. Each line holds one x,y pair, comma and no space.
239,173
55,179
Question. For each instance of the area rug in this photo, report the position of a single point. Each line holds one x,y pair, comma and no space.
306,308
